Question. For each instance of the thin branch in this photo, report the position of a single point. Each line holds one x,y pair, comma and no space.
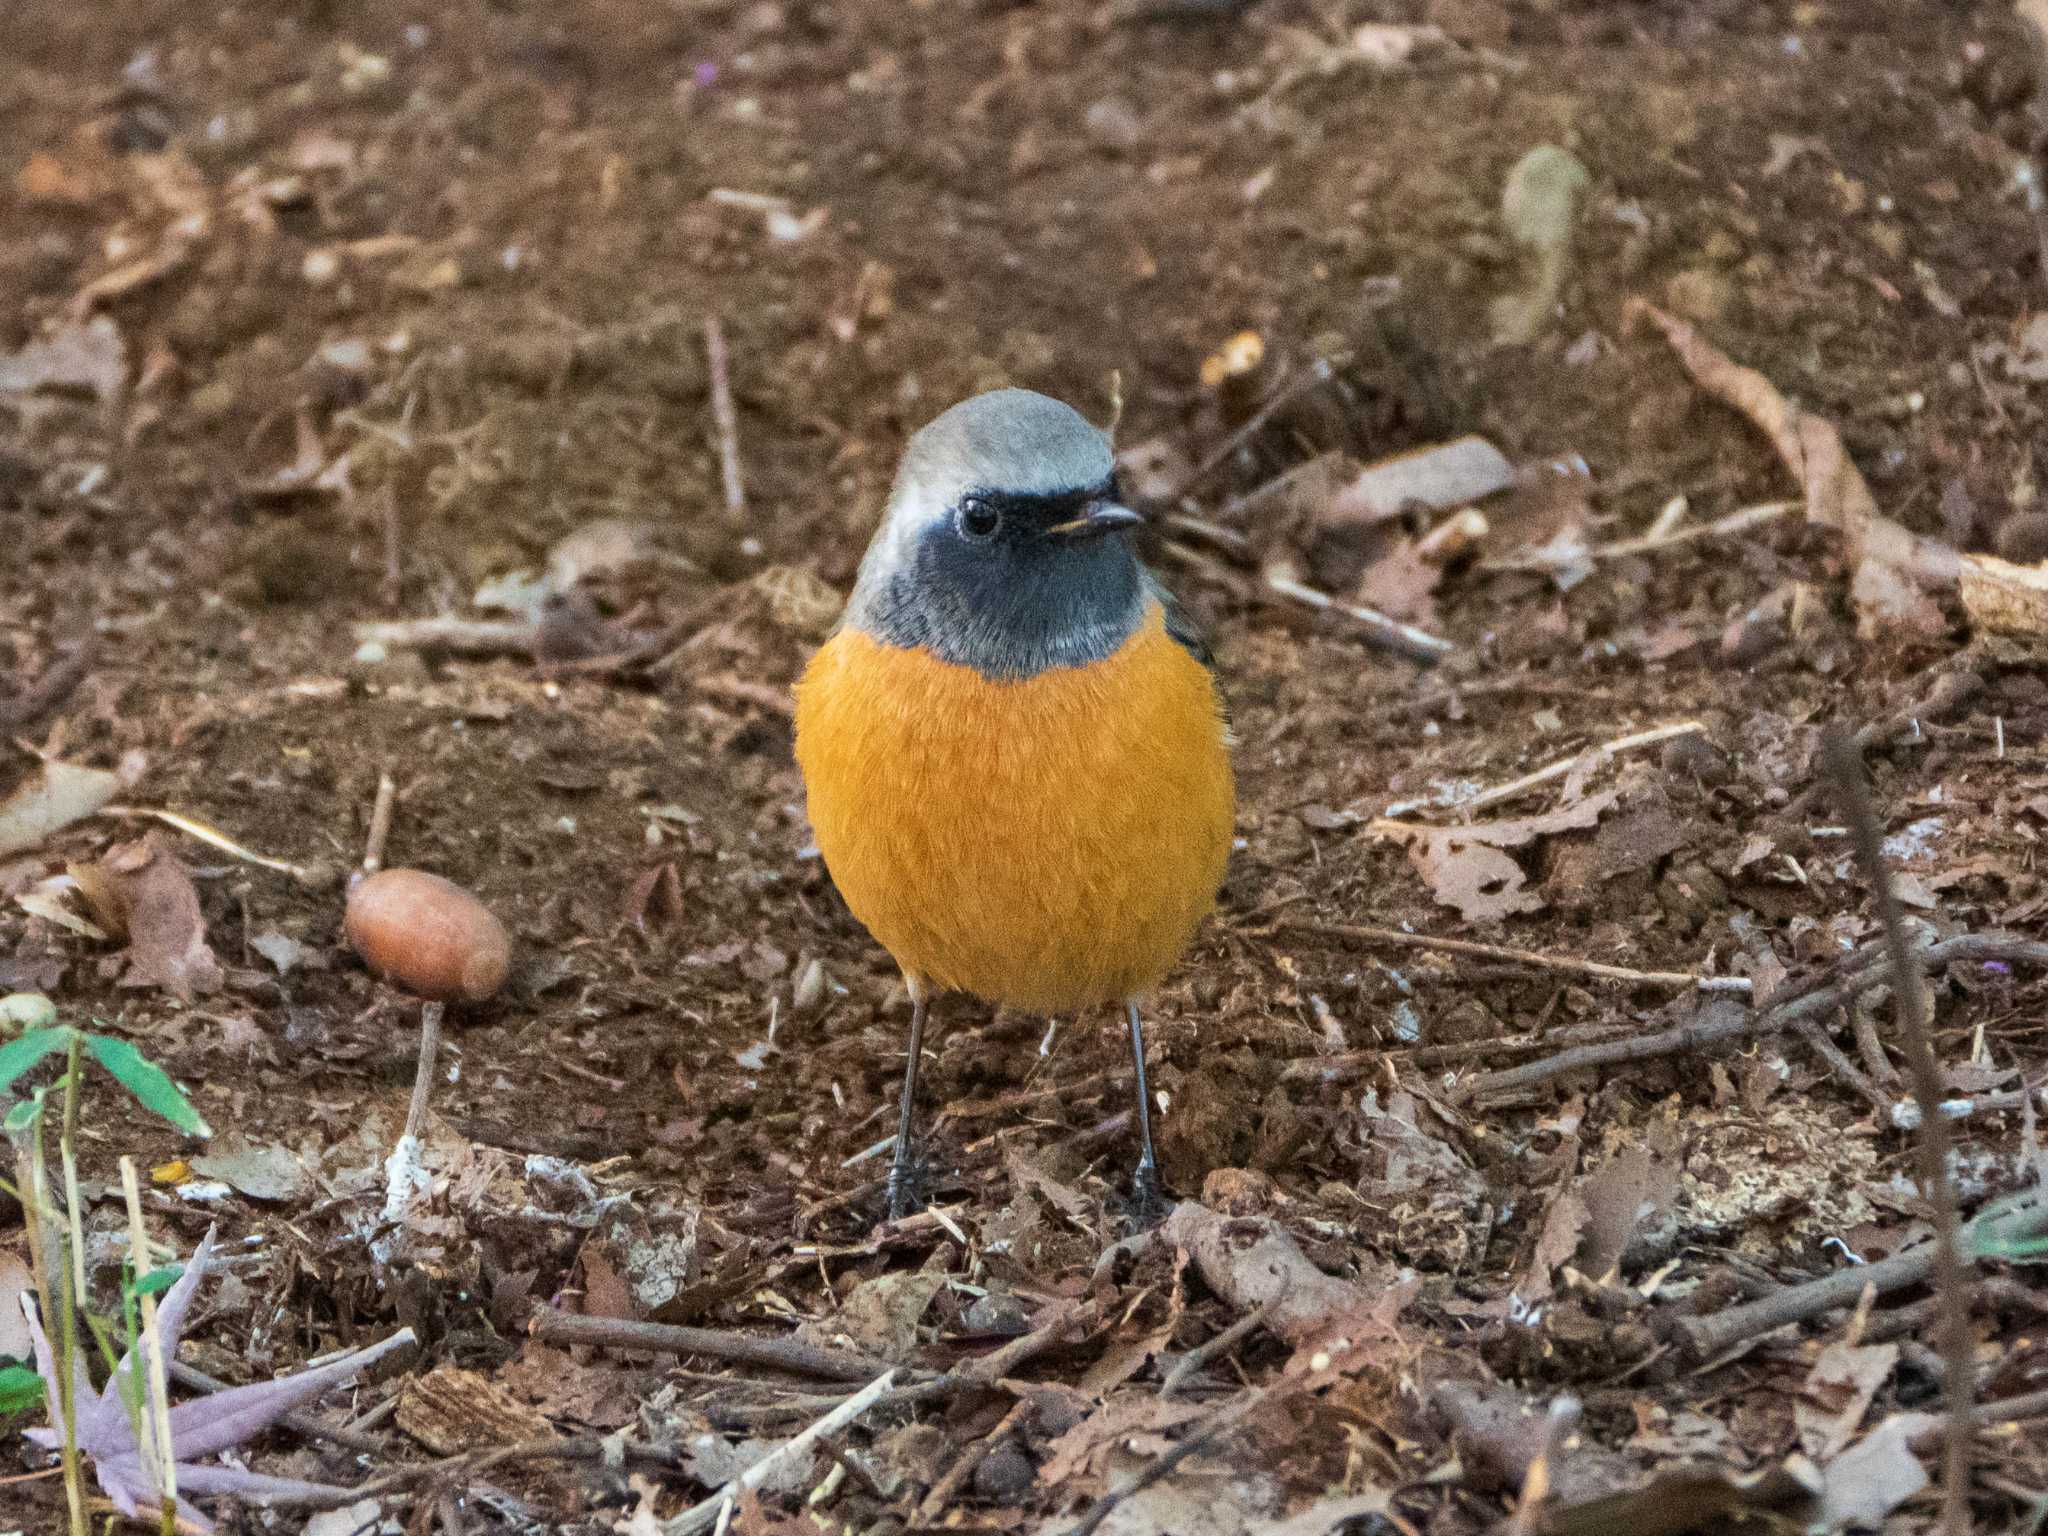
380,824
1230,1414
1734,522
1380,628
1197,1359
1714,1024
552,1327
1564,765
724,416
1909,992
1317,372
716,1509
1999,1225
1398,939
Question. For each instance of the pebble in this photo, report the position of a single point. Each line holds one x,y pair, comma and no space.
1695,757
1005,1473
2023,539
1113,124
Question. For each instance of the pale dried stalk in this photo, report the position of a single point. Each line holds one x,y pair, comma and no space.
154,1431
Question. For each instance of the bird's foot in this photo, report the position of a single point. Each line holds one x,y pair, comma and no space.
1148,1200
906,1186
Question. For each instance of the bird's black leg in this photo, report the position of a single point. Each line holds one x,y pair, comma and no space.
905,1168
1145,1183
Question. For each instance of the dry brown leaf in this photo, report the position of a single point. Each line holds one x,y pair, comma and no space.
1250,1261
879,1316
1837,1393
450,1410
154,901
49,801
1466,868
2004,598
1633,1188
1137,1418
15,1282
1563,1226
1893,569
1436,478
1402,584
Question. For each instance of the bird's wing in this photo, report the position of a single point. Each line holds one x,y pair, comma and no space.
1183,627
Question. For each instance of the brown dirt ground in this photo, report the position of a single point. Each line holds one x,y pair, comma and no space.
530,360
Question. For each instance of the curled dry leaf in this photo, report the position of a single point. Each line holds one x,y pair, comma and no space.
1250,1261
51,799
141,890
1892,569
1436,479
1467,869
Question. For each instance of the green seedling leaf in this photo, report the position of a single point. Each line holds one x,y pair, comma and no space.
150,1083
21,1390
157,1281
24,1051
22,1116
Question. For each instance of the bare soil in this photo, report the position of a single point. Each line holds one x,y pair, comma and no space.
431,280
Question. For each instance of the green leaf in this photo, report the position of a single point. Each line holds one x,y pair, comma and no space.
22,1115
157,1281
25,1050
150,1083
21,1390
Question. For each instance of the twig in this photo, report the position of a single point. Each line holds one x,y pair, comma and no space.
1230,1414
1712,1025
1317,372
1870,1047
1734,522
423,1076
1909,992
449,632
1817,1041
964,1466
159,1459
1557,770
213,837
553,1327
1380,628
299,1423
380,824
700,1516
1197,1359
1707,1337
1397,939
724,416
976,1375
394,571
1229,540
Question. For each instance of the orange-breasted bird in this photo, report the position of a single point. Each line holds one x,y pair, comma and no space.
1014,746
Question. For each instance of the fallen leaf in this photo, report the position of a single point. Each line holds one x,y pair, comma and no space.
1632,1189
1876,1475
450,1410
365,1517
1402,584
53,798
1465,867
86,357
1539,208
16,1281
1329,1515
281,950
1435,479
1250,1261
1893,569
262,1172
158,908
879,1316
1837,1393
1564,1224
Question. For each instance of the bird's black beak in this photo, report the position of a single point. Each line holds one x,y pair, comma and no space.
1099,518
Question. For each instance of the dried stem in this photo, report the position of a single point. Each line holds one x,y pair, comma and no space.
724,416
563,1328
1564,765
717,1508
53,1286
423,1076
1909,991
380,824
1380,628
1398,939
153,1436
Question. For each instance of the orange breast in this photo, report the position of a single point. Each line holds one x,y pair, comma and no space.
1048,843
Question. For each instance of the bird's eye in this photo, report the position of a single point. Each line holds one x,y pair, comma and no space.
978,519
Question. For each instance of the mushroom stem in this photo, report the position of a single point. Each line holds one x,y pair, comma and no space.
423,1079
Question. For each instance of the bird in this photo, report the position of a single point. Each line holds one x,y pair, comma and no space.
1014,744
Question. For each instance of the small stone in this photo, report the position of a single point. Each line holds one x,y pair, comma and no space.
1113,124
1695,757
1005,1473
1702,294
998,1312
2023,539
320,267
